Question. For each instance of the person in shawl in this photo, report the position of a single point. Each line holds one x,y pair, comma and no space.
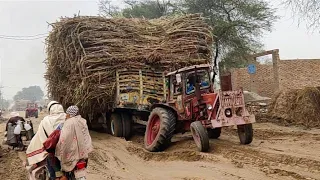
14,118
75,142
36,154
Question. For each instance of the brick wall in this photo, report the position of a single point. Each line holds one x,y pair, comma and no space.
261,82
299,73
283,74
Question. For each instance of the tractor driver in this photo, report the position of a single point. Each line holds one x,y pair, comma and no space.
191,84
204,79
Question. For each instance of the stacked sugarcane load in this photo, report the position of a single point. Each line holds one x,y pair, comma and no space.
83,53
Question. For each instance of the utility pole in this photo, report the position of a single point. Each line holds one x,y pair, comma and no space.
1,97
1,85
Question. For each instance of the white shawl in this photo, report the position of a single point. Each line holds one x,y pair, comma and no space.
35,152
74,143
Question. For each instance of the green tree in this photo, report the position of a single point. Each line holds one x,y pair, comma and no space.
32,93
238,24
148,9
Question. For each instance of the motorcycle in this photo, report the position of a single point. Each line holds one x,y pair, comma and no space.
40,171
79,172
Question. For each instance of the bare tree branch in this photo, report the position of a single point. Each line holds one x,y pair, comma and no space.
307,11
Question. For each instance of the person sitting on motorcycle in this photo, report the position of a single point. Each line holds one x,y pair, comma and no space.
14,118
36,153
75,142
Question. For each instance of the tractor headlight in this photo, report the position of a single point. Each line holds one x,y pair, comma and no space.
228,112
209,107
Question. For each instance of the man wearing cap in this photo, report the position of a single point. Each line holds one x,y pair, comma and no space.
74,142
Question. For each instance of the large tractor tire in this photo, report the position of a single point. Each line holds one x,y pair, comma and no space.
116,126
127,125
245,133
214,133
200,136
36,114
160,129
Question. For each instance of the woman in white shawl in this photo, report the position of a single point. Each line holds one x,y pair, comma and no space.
35,152
74,142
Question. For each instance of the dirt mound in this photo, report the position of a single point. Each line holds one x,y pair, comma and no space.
183,155
297,107
253,97
11,165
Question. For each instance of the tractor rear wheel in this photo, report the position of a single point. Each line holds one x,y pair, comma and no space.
200,136
36,114
214,133
116,125
160,129
126,123
245,133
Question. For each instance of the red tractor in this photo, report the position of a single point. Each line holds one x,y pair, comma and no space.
193,105
32,110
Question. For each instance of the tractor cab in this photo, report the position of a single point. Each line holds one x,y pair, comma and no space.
32,106
188,90
192,104
31,110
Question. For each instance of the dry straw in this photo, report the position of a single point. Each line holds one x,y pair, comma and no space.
84,52
297,106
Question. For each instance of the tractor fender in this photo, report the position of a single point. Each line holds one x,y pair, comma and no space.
167,106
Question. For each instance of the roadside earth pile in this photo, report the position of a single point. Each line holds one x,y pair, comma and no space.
83,53
11,166
297,107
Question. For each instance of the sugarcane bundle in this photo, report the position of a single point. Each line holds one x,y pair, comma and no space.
84,52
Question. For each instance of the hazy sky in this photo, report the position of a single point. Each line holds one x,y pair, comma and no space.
22,61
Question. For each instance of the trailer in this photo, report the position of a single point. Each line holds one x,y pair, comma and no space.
175,102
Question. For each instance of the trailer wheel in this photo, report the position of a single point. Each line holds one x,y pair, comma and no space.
159,130
116,125
245,133
200,136
126,122
214,133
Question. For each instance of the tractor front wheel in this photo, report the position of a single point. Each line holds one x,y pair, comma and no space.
245,133
214,133
159,130
200,136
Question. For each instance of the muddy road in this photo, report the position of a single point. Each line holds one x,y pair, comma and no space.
277,152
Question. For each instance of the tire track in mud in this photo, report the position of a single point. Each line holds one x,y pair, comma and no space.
100,164
112,156
105,151
275,161
271,163
266,134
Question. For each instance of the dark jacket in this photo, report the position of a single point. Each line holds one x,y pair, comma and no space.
14,121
